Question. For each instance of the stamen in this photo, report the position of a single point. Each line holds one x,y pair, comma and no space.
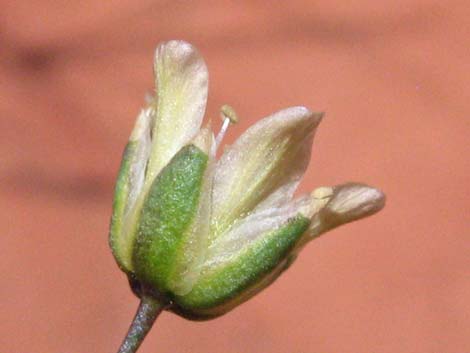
221,133
228,115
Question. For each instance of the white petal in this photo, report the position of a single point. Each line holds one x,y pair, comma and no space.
251,229
263,167
326,207
141,136
181,80
254,227
129,186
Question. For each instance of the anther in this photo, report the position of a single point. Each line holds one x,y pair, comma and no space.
227,112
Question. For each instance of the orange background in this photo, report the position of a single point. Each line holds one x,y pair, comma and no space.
393,77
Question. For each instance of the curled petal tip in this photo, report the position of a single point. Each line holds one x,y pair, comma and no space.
315,118
352,201
304,112
318,116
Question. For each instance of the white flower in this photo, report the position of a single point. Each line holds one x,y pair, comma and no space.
206,234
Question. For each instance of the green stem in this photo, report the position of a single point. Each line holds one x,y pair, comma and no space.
147,313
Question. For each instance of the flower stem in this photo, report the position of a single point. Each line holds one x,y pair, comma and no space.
147,313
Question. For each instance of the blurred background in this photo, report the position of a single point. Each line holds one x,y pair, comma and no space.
394,80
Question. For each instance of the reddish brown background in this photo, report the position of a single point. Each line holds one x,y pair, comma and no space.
393,77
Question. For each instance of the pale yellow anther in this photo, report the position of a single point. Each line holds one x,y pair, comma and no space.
318,199
227,112
229,116
322,192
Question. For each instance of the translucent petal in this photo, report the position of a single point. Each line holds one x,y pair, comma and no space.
222,287
141,136
326,207
128,187
259,247
252,229
263,167
182,82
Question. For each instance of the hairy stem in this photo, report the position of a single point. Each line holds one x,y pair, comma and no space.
147,313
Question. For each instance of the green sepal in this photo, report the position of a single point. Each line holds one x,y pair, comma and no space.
166,219
220,289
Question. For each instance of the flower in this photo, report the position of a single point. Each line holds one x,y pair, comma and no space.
204,235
